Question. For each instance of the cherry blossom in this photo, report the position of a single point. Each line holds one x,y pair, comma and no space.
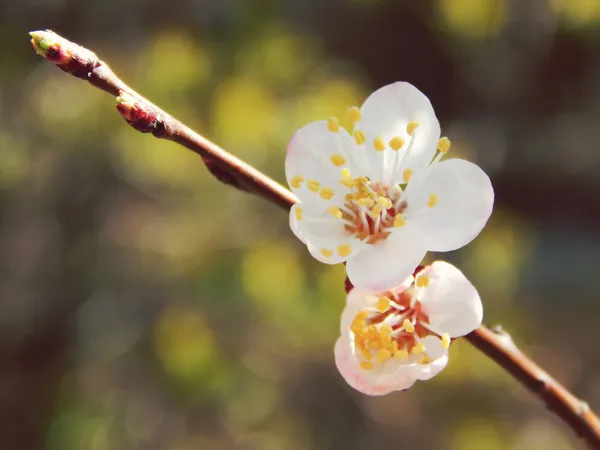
380,197
390,339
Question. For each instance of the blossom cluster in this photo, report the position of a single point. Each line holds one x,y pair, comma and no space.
378,199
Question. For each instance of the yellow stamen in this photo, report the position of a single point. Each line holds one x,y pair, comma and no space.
346,172
408,326
335,212
358,325
365,353
444,145
344,250
385,330
425,360
383,355
365,201
418,349
375,211
385,202
379,144
313,185
296,181
396,143
445,341
333,124
411,127
299,212
399,220
383,304
366,365
338,160
359,137
433,199
407,175
374,345
361,315
353,114
422,280
401,354
327,193
394,347
326,253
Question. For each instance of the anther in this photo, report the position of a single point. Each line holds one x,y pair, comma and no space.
327,193
401,354
385,202
445,341
444,145
433,199
411,127
383,304
425,360
338,160
383,355
399,220
313,185
296,181
299,212
407,175
422,280
365,201
353,114
366,365
333,124
408,326
418,349
344,250
359,137
335,212
379,144
396,143
385,330
375,211
326,253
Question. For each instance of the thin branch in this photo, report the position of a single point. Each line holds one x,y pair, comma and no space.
148,118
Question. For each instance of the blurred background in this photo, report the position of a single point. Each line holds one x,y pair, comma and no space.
144,305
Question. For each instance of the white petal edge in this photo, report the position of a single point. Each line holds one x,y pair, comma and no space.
465,200
388,263
451,302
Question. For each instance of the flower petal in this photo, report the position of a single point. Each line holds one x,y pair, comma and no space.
364,381
319,155
387,263
386,114
294,220
464,201
428,371
451,301
433,347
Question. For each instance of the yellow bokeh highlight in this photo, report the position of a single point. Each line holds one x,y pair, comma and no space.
476,434
578,12
15,162
473,18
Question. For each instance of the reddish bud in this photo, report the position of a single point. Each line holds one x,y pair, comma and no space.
68,56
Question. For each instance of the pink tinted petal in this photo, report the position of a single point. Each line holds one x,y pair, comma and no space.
465,199
388,263
428,371
451,301
294,222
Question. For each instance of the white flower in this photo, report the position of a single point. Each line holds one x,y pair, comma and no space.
391,339
380,198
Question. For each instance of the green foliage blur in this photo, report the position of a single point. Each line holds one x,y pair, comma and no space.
144,305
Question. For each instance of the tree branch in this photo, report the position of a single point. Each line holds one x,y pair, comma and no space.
148,118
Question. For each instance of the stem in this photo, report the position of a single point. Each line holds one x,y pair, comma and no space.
148,118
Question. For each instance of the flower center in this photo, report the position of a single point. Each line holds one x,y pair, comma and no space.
393,330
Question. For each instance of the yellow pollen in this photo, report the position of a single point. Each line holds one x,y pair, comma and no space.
335,212
358,325
361,315
365,201
444,145
425,360
401,354
375,211
296,181
418,349
327,193
396,143
366,365
346,172
411,127
313,185
375,344
379,144
333,124
344,250
385,202
383,355
299,212
394,347
338,160
326,253
399,220
445,341
408,326
433,199
422,280
359,137
383,304
353,114
365,353
386,330
407,175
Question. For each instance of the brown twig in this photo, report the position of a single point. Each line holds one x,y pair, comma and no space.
148,118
